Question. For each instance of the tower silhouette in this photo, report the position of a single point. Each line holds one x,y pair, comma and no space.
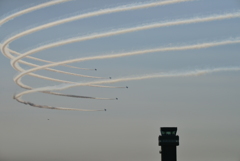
168,140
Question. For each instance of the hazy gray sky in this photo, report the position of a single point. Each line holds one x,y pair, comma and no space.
205,108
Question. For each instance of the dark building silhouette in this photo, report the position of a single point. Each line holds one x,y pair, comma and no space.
168,140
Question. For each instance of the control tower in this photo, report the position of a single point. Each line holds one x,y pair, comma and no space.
168,140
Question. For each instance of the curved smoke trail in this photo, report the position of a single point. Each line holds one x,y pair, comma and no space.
197,72
17,79
16,57
123,31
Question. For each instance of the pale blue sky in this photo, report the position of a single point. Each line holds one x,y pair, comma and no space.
205,108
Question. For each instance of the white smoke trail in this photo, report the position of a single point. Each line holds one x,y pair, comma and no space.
16,60
175,48
56,80
45,61
123,31
48,78
27,11
62,81
161,75
152,76
106,11
87,15
60,71
54,70
30,10
37,59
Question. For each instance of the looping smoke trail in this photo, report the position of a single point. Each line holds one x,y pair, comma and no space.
16,56
46,61
123,31
55,70
197,72
87,15
140,52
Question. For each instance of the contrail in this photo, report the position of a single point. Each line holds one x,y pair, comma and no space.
17,58
43,5
91,14
51,107
123,31
46,61
55,70
151,76
37,76
51,79
41,60
30,10
75,96
96,13
140,52
62,81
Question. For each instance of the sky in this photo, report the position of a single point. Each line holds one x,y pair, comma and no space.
204,107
